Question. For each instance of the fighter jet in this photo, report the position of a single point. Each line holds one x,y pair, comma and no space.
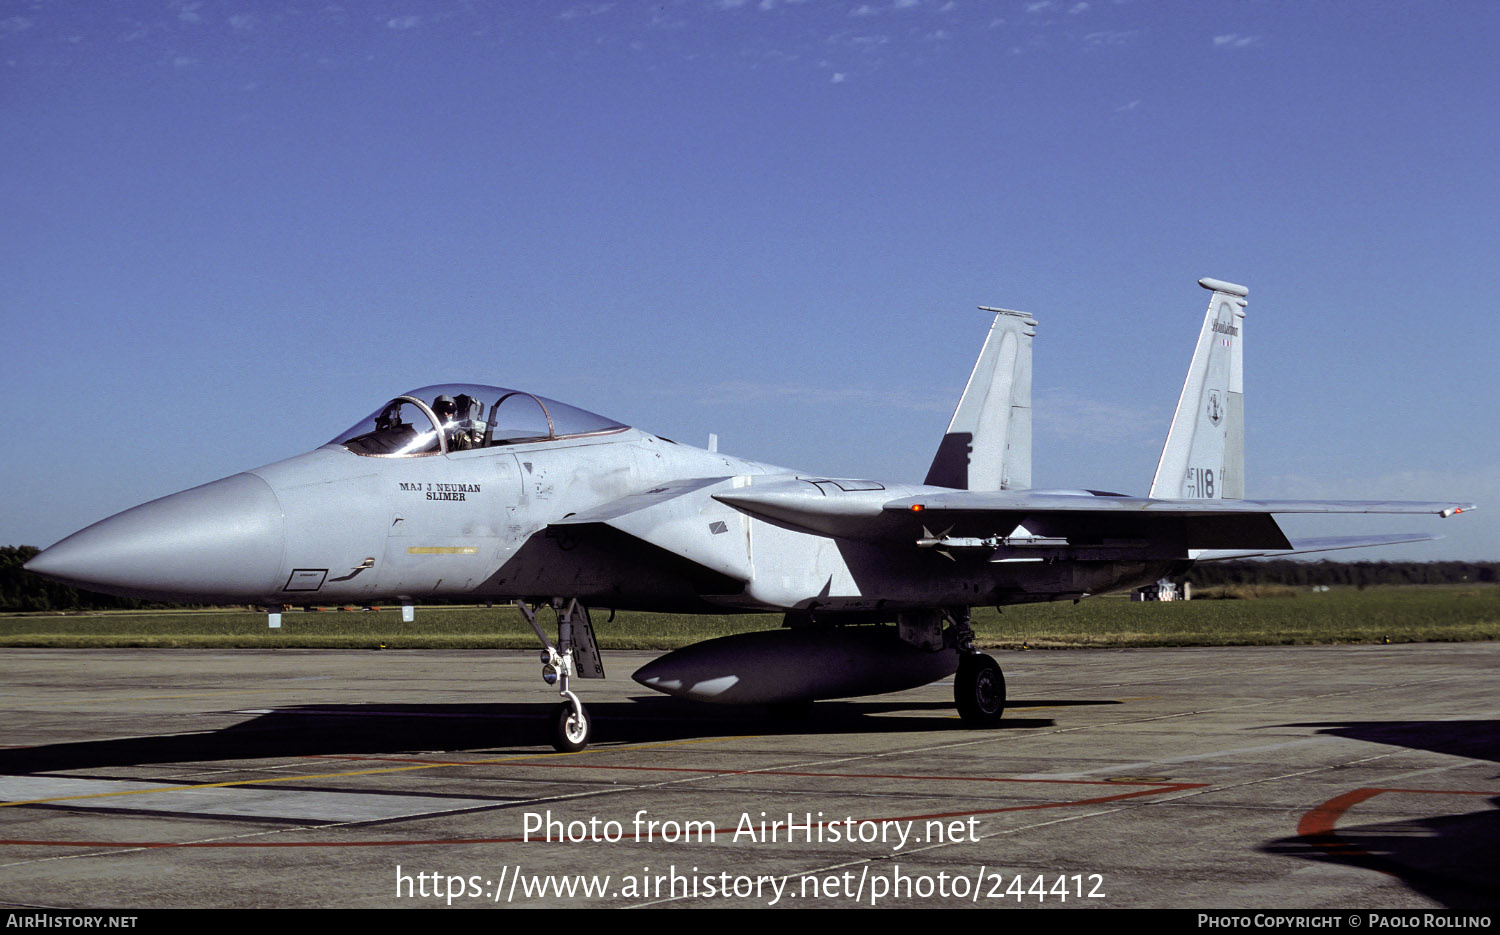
494,494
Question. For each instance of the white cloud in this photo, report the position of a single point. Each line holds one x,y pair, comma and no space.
864,9
838,77
1067,415
585,9
1078,8
242,21
1111,37
1234,40
188,12
732,392
1040,6
403,22
1126,108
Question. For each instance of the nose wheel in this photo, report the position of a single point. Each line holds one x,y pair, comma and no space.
979,690
571,727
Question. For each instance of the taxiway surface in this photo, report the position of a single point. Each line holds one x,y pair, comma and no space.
1277,778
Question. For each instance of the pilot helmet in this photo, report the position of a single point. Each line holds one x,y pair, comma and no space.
444,405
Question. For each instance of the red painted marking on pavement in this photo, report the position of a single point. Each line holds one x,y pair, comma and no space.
1152,788
1317,826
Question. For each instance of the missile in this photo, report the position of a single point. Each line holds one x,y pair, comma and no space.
792,665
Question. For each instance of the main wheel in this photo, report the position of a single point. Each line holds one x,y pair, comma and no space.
979,690
571,732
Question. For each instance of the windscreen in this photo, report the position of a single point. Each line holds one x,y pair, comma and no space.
462,416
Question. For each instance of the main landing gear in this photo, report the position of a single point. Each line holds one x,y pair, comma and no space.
574,655
979,686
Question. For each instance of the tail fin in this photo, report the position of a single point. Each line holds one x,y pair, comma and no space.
988,442
1204,457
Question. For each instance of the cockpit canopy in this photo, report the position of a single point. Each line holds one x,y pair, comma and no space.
449,417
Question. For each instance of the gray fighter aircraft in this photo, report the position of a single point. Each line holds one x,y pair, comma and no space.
500,495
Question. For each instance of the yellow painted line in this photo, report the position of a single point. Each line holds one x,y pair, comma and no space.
441,550
208,694
307,777
1021,705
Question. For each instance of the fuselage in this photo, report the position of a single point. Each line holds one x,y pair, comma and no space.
405,507
332,526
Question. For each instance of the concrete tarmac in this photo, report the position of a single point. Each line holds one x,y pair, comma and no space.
1341,777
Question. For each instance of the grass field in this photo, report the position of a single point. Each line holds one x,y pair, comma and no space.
1372,615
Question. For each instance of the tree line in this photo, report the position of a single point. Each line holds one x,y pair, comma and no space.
1350,574
22,592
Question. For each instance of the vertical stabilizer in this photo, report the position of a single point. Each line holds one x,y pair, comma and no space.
988,443
1204,457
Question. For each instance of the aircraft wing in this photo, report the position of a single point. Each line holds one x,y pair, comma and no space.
1049,519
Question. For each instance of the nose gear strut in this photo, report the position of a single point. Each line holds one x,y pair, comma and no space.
575,654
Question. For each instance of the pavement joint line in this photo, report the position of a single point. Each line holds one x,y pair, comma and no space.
211,693
589,793
915,850
342,775
1250,704
1214,755
414,767
993,739
1152,787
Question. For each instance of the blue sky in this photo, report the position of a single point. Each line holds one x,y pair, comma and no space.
232,229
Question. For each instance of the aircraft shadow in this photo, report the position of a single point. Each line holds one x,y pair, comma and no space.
333,730
1449,858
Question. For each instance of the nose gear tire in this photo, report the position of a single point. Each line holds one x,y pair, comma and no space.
571,731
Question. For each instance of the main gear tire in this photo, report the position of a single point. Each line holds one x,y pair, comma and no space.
979,690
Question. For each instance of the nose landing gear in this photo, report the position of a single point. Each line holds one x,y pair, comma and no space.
574,655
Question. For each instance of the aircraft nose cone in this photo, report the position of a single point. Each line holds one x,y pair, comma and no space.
221,541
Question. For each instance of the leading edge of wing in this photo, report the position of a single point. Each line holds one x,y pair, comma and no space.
1033,501
680,519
